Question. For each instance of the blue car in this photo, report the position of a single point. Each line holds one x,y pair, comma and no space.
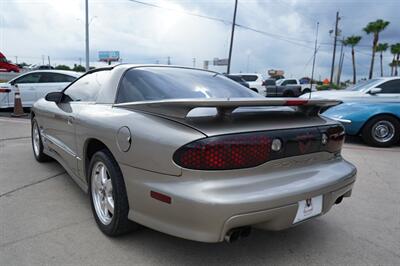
377,120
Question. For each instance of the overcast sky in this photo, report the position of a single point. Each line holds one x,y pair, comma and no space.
31,29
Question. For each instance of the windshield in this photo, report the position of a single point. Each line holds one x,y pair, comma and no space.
158,83
364,85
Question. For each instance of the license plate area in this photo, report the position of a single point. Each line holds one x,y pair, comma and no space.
308,208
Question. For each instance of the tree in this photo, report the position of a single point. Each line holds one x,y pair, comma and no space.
382,47
62,67
392,64
352,41
375,28
395,50
79,68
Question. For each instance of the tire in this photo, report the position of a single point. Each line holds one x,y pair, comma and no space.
381,131
37,144
288,94
111,218
307,90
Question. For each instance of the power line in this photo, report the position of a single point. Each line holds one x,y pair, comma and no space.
182,11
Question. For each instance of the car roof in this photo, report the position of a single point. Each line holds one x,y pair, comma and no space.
65,72
127,66
252,74
386,78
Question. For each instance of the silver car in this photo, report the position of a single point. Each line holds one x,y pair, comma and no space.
191,153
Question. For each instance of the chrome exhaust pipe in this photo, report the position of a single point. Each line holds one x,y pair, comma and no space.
237,233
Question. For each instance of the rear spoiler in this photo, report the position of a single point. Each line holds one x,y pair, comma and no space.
179,108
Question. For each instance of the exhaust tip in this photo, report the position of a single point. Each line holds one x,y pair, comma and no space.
237,233
339,200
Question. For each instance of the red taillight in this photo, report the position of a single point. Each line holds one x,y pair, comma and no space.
4,90
225,152
252,149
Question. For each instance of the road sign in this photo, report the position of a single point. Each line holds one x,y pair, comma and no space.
220,62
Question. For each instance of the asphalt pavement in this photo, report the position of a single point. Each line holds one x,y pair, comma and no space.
46,219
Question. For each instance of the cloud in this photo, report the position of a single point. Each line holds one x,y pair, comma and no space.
143,34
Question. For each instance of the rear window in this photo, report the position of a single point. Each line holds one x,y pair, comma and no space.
159,83
250,77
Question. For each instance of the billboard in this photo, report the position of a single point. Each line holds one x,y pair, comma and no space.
108,56
220,62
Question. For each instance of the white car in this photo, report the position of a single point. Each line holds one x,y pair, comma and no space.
305,87
385,87
255,82
34,85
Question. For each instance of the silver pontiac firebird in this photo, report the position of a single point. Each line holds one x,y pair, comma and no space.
191,153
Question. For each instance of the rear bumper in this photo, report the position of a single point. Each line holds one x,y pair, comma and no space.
205,209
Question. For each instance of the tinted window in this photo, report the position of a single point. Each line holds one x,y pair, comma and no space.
88,87
29,78
392,86
55,77
289,82
157,83
250,77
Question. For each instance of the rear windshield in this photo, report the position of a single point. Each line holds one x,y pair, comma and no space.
159,83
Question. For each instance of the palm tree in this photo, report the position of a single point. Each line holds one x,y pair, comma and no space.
375,28
393,52
397,51
382,47
353,41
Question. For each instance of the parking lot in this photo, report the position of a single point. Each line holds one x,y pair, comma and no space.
46,219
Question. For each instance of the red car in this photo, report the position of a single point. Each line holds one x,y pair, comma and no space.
5,66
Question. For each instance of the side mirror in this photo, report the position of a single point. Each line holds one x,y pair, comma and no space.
374,91
54,96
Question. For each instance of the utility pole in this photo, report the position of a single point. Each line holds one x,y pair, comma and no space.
194,62
87,33
232,35
42,59
315,55
168,60
16,59
340,63
334,45
80,61
248,60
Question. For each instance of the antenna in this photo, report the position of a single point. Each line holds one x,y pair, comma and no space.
313,63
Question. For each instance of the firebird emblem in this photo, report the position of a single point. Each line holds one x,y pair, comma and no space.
304,142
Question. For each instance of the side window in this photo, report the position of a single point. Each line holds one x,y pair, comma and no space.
392,86
29,78
289,82
55,77
87,88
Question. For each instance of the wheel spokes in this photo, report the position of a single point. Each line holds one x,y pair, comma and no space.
109,202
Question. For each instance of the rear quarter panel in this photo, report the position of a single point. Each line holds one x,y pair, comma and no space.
153,139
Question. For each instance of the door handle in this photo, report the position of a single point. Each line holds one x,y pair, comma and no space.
70,120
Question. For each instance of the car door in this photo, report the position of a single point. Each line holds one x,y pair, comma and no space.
390,89
60,123
27,85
